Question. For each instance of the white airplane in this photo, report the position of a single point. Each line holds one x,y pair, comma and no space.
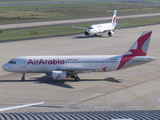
19,106
101,28
61,67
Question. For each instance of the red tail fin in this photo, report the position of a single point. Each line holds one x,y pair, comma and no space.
139,48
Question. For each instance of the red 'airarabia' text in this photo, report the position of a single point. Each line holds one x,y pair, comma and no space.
45,62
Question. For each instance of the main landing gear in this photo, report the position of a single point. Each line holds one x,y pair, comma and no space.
109,35
95,35
23,77
76,78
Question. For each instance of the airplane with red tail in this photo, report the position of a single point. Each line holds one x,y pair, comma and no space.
61,67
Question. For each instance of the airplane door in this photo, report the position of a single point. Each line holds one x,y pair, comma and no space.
23,63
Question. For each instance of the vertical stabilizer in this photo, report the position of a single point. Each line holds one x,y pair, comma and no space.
114,17
139,48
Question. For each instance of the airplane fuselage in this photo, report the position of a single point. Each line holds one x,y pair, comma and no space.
100,28
46,64
93,30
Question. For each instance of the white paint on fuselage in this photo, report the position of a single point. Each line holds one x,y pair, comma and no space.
100,28
44,64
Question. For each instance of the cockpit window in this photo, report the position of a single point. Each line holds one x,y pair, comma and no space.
12,62
90,27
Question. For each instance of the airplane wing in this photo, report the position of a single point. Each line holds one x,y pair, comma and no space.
79,27
77,70
19,106
122,24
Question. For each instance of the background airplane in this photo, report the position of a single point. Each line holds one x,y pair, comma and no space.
19,106
61,67
101,28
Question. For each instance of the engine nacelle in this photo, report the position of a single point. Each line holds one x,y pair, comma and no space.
86,33
110,33
59,75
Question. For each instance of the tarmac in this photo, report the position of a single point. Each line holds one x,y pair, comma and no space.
72,21
135,88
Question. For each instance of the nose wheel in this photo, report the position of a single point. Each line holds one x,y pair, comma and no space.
23,77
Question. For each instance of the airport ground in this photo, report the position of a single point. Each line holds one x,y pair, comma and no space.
135,88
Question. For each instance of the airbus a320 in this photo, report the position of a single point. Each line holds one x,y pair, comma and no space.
61,67
93,30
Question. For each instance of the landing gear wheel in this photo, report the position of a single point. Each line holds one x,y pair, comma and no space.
77,79
23,78
95,35
109,34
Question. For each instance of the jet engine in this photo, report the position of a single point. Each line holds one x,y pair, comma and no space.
59,75
86,33
110,33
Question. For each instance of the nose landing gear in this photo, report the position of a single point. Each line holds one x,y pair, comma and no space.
23,77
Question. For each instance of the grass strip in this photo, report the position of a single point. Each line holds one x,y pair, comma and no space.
153,1
28,13
31,1
67,29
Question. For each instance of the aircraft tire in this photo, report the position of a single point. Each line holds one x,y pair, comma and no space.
77,79
23,78
95,35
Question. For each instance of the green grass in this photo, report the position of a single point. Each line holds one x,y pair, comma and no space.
31,1
36,1
67,29
28,13
155,1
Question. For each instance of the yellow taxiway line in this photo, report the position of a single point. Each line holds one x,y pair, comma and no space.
136,96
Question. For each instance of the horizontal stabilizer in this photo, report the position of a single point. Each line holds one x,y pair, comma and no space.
144,58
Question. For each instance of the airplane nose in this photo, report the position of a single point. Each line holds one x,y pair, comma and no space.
5,67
